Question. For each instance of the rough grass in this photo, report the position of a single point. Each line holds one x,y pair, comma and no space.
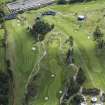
22,57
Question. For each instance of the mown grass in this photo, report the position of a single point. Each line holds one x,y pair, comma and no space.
66,24
5,1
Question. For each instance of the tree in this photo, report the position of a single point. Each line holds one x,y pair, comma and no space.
75,1
98,37
100,43
4,88
77,99
71,1
40,29
62,1
1,14
1,19
69,56
97,34
80,78
71,41
72,88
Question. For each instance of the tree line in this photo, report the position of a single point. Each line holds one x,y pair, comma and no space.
71,1
98,37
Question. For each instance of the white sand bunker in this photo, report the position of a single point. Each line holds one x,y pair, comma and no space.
46,98
60,92
33,48
52,75
18,24
18,21
88,37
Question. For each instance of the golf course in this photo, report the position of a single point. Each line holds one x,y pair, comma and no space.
42,64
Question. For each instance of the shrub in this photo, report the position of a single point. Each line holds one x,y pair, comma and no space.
40,29
62,1
97,34
72,89
77,99
91,91
80,76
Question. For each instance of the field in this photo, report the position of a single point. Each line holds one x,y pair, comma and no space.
49,56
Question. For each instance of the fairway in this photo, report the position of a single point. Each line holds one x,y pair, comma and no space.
47,58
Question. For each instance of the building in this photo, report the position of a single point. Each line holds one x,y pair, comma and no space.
28,4
10,16
53,13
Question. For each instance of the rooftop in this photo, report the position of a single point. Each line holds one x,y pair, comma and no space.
27,4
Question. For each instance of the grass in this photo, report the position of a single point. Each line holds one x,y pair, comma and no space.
23,58
4,1
21,55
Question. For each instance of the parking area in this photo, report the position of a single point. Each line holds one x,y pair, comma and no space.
28,4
